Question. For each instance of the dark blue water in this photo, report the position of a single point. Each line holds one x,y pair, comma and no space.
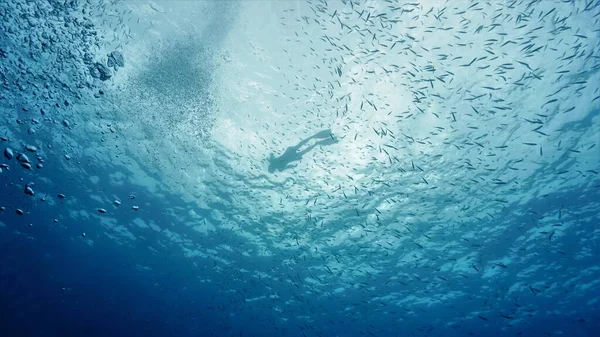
441,175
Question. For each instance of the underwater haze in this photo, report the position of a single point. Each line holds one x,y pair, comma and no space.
300,168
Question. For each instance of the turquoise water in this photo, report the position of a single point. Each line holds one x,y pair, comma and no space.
291,168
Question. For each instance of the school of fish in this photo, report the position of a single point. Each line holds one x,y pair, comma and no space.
463,195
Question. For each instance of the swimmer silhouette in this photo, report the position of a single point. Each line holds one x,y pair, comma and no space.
292,153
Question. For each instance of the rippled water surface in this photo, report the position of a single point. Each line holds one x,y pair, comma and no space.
300,168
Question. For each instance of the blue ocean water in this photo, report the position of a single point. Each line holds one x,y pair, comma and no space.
300,168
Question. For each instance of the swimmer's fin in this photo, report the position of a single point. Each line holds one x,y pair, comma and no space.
328,141
323,134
